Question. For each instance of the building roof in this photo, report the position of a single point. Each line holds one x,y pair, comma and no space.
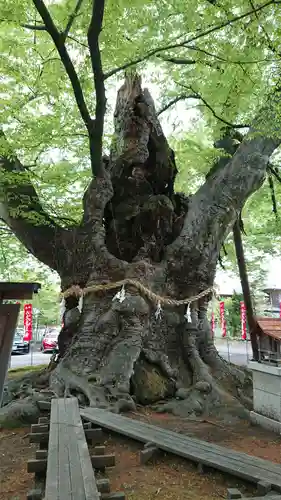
270,327
18,291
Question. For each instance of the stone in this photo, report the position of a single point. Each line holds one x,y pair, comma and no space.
233,493
149,384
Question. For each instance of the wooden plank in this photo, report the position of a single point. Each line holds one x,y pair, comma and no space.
51,492
89,481
103,485
114,420
102,461
113,496
8,321
64,479
39,454
270,497
78,491
36,465
147,454
44,405
94,436
44,420
36,428
39,437
214,456
75,478
34,495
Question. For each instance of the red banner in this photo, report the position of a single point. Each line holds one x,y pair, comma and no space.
213,324
243,321
27,321
223,321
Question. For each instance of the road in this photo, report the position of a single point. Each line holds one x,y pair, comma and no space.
237,352
35,358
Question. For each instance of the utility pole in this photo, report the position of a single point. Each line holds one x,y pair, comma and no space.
246,288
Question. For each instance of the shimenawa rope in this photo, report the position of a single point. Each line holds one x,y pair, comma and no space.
143,290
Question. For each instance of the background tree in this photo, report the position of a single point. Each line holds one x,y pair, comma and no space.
132,225
233,316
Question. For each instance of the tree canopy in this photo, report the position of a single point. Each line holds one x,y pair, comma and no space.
211,65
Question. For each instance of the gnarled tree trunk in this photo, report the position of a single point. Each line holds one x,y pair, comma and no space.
139,228
136,227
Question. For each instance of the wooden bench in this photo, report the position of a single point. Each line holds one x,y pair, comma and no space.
70,474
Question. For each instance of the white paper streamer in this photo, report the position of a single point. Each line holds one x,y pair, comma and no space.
188,314
121,295
158,312
80,303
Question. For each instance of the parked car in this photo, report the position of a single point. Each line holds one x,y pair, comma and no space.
50,341
20,345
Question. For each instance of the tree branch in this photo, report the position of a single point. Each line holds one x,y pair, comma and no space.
77,41
129,64
199,96
58,40
95,199
269,42
183,61
274,172
181,97
21,210
273,196
176,60
72,18
34,27
202,34
96,134
216,205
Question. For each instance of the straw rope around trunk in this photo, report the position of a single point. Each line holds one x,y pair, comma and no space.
143,290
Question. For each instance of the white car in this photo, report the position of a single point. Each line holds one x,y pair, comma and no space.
20,345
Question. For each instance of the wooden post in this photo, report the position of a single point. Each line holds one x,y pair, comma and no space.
246,289
8,322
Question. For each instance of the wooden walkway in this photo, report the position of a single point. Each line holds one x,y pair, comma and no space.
241,465
69,471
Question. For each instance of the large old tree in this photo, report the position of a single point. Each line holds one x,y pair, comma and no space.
135,229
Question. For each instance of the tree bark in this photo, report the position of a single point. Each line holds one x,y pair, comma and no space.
170,243
135,226
246,289
21,210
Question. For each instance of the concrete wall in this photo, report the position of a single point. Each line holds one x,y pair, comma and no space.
267,391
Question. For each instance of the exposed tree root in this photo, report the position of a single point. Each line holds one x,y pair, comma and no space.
21,395
213,388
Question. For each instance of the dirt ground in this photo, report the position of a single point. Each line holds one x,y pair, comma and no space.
165,478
